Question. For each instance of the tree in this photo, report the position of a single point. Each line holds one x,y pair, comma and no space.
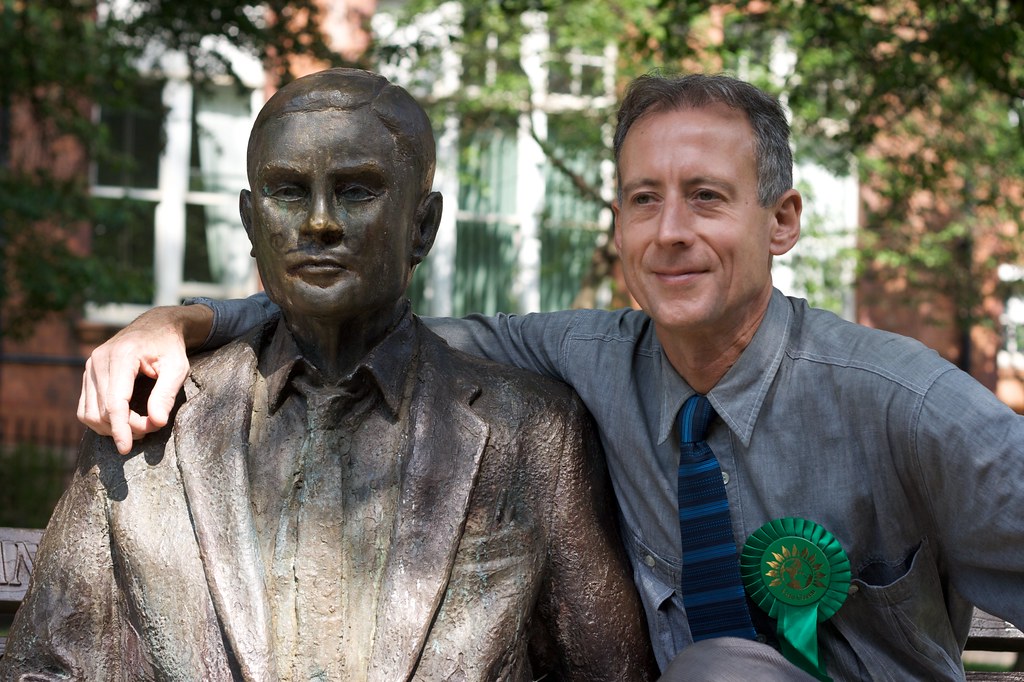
62,59
928,97
942,81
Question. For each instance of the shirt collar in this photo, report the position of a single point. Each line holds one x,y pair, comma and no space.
386,366
739,395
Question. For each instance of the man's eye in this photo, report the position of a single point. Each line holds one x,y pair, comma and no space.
355,193
641,199
285,192
705,195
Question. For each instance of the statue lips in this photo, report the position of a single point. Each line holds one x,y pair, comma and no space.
318,270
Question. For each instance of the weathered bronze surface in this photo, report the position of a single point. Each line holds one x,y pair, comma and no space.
341,496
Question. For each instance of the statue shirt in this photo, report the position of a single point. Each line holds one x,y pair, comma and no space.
325,466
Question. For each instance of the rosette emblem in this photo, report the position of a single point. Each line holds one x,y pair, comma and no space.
798,573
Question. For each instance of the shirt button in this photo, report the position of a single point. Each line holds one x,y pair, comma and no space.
725,478
649,560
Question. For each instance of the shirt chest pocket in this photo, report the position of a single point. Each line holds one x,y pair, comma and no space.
896,623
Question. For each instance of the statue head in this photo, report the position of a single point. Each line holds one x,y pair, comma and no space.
339,209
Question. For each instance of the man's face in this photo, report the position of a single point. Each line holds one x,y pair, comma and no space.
695,245
331,215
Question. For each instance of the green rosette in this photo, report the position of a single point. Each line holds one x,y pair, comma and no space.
798,573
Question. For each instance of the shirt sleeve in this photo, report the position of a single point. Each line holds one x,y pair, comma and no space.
234,317
534,342
970,455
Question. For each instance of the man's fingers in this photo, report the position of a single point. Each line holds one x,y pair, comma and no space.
106,419
141,425
91,409
161,399
122,439
86,399
117,417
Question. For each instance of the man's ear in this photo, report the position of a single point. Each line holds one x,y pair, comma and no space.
245,211
786,228
427,219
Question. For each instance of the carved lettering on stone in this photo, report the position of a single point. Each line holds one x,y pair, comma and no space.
18,558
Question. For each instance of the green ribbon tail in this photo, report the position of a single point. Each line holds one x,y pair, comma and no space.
798,638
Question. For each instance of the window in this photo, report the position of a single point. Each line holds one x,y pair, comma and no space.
486,221
578,73
168,195
1011,355
136,141
122,230
217,260
518,234
572,224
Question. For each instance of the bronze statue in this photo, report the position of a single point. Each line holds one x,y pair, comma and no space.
341,496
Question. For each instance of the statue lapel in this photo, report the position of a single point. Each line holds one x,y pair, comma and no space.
437,483
211,439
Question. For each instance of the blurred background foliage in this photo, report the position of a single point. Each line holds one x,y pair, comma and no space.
922,99
65,59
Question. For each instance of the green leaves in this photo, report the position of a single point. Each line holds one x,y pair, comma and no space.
924,100
63,59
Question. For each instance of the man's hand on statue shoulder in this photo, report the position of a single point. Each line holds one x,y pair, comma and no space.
155,344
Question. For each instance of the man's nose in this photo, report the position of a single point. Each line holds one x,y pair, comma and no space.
323,222
675,223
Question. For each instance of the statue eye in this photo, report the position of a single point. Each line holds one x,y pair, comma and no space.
356,193
286,192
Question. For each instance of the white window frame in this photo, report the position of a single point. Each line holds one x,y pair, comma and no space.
172,193
437,29
1011,356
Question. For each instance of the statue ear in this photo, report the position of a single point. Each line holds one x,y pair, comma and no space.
427,219
245,211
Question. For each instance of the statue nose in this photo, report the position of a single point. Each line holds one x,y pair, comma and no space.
323,222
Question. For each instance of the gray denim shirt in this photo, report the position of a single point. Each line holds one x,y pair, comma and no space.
916,468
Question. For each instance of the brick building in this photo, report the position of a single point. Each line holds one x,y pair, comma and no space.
516,236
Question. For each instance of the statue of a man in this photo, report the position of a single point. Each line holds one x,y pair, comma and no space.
341,496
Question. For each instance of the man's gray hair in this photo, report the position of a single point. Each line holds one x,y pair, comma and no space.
655,93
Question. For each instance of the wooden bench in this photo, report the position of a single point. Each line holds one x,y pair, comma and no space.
17,557
989,633
18,552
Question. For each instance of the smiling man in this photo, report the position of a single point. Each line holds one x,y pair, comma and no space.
731,413
341,496
695,236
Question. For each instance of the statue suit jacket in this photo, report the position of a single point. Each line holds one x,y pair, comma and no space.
504,564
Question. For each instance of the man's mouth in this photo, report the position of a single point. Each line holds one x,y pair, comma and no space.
678,274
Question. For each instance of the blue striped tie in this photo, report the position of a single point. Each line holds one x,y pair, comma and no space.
712,589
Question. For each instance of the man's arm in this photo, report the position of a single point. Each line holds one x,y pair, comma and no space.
156,344
534,342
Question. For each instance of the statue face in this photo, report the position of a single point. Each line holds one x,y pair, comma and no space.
331,215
